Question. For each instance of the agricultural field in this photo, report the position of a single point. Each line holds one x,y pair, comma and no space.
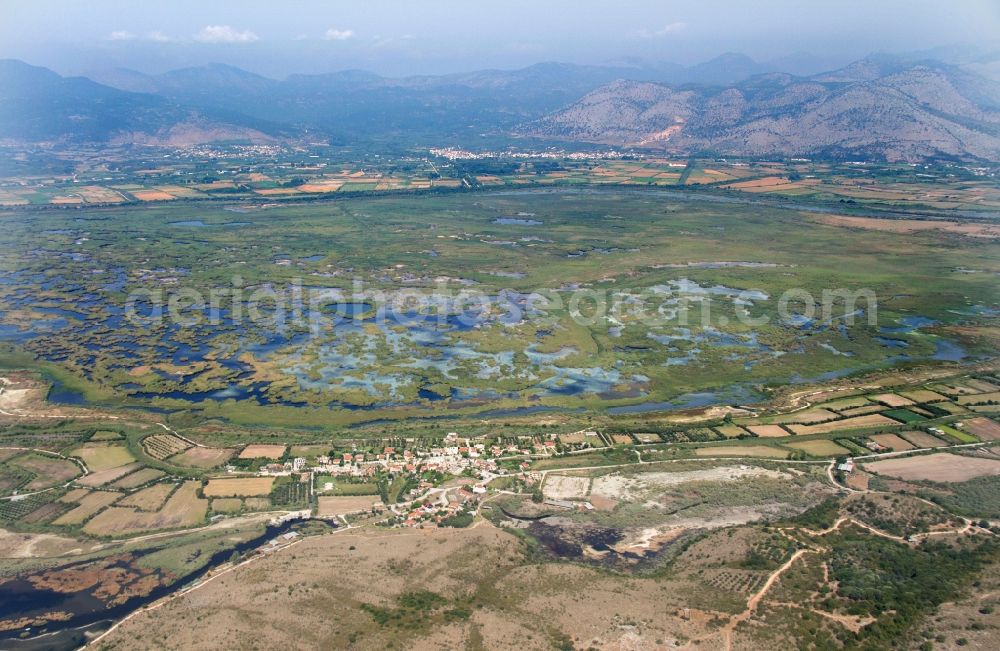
893,442
162,446
333,486
939,467
332,506
768,431
33,471
818,448
922,439
923,395
87,504
148,499
891,400
805,417
103,477
202,457
239,487
182,509
258,451
103,456
138,478
762,451
227,505
983,429
856,422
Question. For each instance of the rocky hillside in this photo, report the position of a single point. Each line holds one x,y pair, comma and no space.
871,109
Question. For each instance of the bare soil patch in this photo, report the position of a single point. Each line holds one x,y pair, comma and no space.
334,505
239,487
563,487
148,499
202,457
764,451
892,399
892,441
262,451
969,229
983,428
922,439
940,467
769,431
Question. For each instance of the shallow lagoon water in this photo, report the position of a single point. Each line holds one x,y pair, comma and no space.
394,356
517,221
197,223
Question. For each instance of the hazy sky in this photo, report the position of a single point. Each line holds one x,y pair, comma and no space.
433,36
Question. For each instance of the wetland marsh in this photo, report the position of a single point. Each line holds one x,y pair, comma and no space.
386,308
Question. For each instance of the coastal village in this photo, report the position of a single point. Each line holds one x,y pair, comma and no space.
414,486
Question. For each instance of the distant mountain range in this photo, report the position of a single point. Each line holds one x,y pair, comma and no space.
880,108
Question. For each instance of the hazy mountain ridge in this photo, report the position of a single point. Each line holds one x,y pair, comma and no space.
877,108
881,107
39,106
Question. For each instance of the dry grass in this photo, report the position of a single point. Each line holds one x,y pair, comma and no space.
858,422
101,456
941,466
227,505
334,505
152,195
262,451
325,186
148,499
183,509
88,505
732,431
922,439
970,229
239,487
806,416
309,597
982,428
923,395
861,411
562,487
107,476
763,451
892,399
769,431
202,457
766,182
573,438
979,398
138,478
48,471
819,448
893,442
310,450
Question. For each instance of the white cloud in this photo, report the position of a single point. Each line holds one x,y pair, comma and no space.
669,28
121,35
158,36
334,34
224,34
